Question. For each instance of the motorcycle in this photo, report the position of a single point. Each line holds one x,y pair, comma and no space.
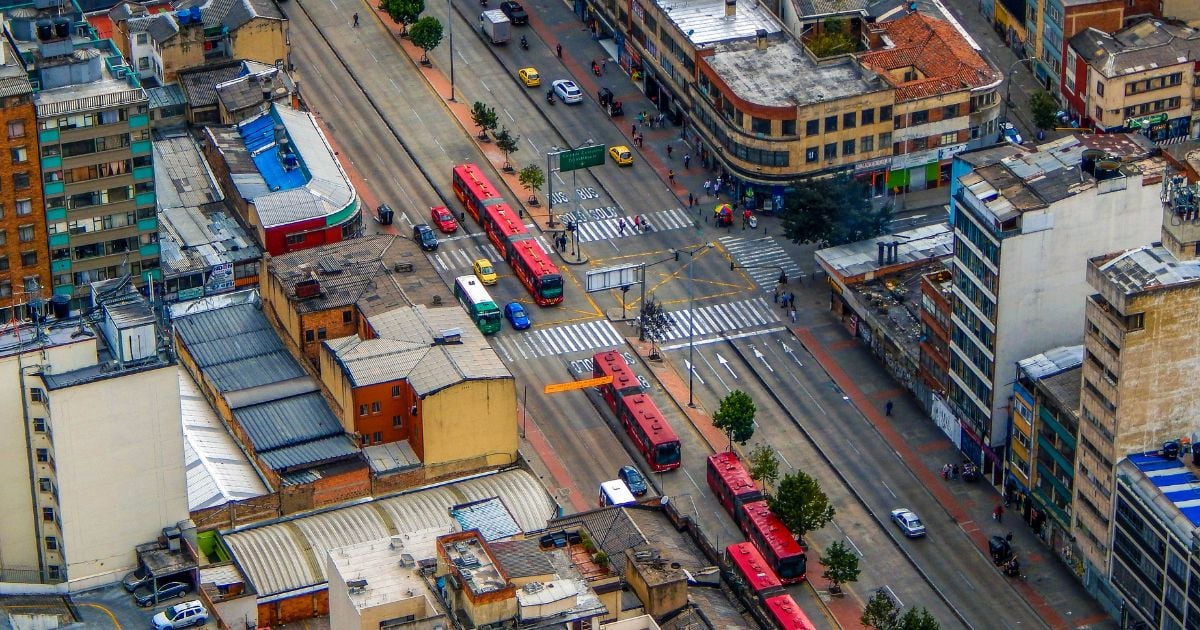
483,3
524,43
550,97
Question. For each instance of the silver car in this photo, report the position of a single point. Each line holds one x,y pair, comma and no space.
567,91
908,522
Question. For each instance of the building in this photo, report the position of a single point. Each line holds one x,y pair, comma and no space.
934,350
1041,451
945,93
63,527
252,93
24,255
285,182
1140,78
378,583
1155,566
429,377
1024,228
1051,23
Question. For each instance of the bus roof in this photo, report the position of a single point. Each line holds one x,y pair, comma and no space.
617,492
773,532
612,363
506,221
473,178
753,567
534,258
787,614
734,475
643,410
474,291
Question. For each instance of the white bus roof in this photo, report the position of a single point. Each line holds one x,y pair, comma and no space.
617,492
473,289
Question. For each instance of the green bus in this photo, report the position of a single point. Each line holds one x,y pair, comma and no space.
479,304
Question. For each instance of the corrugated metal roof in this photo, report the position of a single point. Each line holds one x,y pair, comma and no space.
332,448
234,348
1052,361
217,470
220,323
489,516
522,558
289,421
292,554
252,372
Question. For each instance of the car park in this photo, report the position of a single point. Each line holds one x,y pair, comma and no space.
145,595
567,91
633,480
135,578
529,76
183,615
908,522
515,12
484,270
423,235
516,315
621,155
443,219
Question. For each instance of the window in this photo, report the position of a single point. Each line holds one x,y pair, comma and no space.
950,111
920,144
16,129
45,485
789,128
37,394
810,156
885,139
51,543
48,514
760,125
378,437
830,123
295,239
19,154
868,117
25,233
375,407
1099,90
848,147
921,117
43,455
885,113
20,181
812,127
321,334
347,316
308,336
849,120
5,288
31,284
948,138
144,63
397,422
55,571
362,410
24,207
1135,321
39,425
142,39
395,391
866,144
830,150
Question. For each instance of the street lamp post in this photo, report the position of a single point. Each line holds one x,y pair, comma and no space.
1012,70
691,319
450,28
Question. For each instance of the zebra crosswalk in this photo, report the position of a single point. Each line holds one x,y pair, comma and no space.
762,258
459,253
717,318
555,340
609,228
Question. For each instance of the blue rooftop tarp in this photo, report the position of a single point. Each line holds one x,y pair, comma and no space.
1177,483
259,136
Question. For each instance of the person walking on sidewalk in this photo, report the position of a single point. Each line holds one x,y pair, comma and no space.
558,50
887,408
687,159
671,176
998,513
792,314
691,200
707,187
355,20
669,150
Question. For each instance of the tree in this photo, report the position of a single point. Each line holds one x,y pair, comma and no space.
507,143
881,611
1044,107
834,39
801,504
736,417
426,34
917,619
403,12
837,211
484,117
532,179
841,565
654,322
764,465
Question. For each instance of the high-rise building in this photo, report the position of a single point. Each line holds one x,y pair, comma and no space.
93,128
1024,229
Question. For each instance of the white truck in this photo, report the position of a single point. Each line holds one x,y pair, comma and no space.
495,26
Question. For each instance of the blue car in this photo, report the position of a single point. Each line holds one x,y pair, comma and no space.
516,315
633,480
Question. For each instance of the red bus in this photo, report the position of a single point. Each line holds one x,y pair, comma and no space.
750,566
786,614
503,226
731,483
624,383
474,189
775,542
649,431
536,272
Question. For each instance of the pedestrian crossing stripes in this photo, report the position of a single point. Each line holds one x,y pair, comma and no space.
463,256
762,258
554,340
608,228
718,318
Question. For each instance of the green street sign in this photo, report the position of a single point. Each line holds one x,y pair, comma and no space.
581,158
1138,123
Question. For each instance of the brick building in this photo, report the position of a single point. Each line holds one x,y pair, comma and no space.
24,255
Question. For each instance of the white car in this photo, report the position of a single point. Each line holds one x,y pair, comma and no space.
182,615
1010,133
567,91
909,522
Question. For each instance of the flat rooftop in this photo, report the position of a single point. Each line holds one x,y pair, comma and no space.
784,75
386,571
704,21
861,259
1051,362
474,562
1173,480
1147,268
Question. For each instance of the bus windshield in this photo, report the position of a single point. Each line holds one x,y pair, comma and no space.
551,286
793,567
666,454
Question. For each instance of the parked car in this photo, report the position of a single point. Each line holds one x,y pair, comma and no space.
135,578
908,522
567,91
633,480
515,12
1010,133
145,596
484,270
443,219
182,615
423,235
529,76
516,315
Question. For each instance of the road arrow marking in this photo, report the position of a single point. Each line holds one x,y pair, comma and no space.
693,369
789,351
722,361
761,357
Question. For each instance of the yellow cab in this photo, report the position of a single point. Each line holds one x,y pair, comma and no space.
621,155
529,76
485,271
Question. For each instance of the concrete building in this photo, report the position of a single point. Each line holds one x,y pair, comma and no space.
1041,452
1140,78
1024,228
63,525
378,583
934,351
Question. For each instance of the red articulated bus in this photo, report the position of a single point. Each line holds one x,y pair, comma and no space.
624,381
753,569
503,227
775,542
474,190
649,431
786,614
731,483
536,272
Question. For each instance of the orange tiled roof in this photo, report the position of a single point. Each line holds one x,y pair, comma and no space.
934,48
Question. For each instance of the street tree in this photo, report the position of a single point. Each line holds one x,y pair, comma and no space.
881,611
654,322
801,504
735,417
837,211
426,34
484,117
917,618
1044,107
532,178
764,465
841,565
403,12
507,143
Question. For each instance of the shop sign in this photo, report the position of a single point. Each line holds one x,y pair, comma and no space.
876,164
945,153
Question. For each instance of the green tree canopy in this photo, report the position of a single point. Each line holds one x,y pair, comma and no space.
654,321
426,34
837,210
403,12
484,117
736,417
841,564
1044,107
835,38
507,143
532,179
764,465
801,504
917,618
881,611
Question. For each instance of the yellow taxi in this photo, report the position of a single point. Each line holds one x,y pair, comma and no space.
621,155
485,271
529,76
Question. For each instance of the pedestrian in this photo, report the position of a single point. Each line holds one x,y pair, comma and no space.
717,188
671,177
621,227
792,314
887,409
558,50
645,226
998,513
791,298
355,20
604,66
946,471
776,294
669,150
691,199
633,130
1008,537
954,472
687,159
707,187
